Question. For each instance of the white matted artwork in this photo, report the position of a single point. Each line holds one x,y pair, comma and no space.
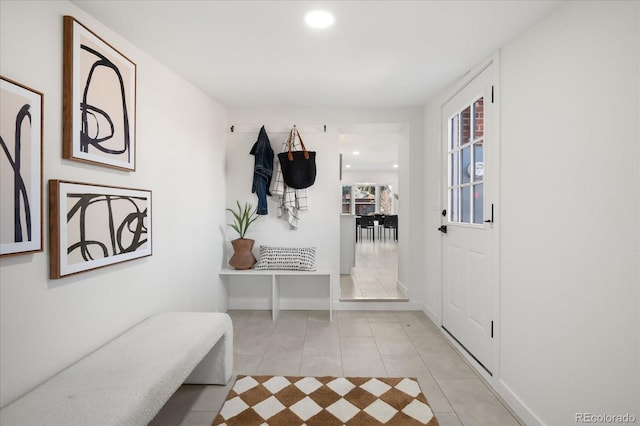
93,226
20,168
99,100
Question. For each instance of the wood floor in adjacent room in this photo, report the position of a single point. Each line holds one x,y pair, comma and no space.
356,343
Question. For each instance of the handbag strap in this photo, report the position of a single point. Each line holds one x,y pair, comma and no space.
292,138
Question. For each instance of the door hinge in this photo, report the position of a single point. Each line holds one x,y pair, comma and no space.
492,94
492,329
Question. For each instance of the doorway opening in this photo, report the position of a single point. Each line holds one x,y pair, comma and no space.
370,211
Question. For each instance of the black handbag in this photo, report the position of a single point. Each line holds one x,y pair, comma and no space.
298,167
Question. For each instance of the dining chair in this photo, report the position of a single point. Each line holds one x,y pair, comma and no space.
367,223
378,219
391,224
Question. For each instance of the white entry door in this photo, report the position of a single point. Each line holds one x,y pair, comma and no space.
468,231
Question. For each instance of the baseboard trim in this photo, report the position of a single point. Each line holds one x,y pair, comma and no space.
433,316
514,404
370,305
520,409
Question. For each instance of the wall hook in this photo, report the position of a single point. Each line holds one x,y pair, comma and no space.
232,128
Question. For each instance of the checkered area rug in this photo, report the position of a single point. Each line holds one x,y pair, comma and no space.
325,401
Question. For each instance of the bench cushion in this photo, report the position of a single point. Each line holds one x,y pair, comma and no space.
129,379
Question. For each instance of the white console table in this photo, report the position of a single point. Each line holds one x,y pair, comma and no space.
275,283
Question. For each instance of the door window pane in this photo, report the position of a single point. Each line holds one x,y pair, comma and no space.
478,159
454,206
465,125
465,205
466,162
478,118
455,168
478,202
455,132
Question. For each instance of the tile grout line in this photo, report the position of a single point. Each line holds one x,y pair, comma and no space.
369,322
378,347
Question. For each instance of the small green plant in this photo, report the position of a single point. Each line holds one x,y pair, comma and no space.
243,217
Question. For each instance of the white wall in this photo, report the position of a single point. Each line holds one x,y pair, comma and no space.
48,324
573,287
315,225
568,326
433,205
320,226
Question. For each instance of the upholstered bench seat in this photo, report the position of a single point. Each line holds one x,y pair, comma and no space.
129,379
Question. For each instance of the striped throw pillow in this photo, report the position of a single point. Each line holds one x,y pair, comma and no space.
287,258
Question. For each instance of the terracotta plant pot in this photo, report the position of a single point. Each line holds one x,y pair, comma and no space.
243,257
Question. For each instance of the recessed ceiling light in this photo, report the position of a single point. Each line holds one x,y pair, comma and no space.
356,152
348,166
395,166
319,19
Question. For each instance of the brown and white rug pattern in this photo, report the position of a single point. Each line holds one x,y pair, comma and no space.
326,401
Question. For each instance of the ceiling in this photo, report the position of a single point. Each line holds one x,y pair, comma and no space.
381,54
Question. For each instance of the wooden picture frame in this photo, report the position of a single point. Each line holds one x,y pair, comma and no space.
92,226
21,124
99,100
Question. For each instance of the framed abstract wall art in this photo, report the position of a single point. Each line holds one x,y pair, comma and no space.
99,91
93,226
20,168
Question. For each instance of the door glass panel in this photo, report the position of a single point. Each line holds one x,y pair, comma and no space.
478,158
466,161
465,205
455,168
478,202
455,132
454,207
478,118
465,124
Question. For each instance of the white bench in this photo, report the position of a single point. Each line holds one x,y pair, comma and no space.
275,283
129,379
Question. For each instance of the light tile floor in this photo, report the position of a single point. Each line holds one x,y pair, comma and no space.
356,343
375,275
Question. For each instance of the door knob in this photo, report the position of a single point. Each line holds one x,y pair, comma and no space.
443,229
